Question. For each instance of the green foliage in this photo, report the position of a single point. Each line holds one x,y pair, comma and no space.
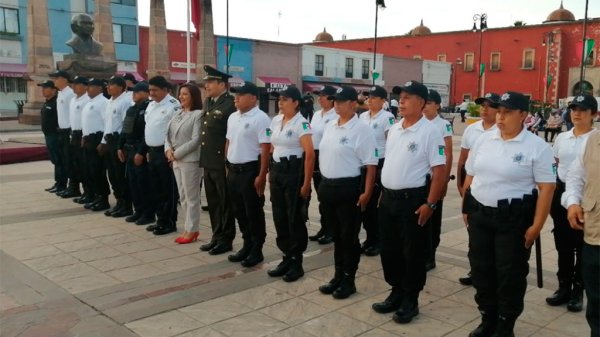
473,109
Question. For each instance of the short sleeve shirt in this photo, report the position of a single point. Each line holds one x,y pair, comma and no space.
509,169
472,133
318,123
286,138
158,115
92,115
245,132
410,154
115,113
77,105
63,107
346,148
566,148
443,125
379,125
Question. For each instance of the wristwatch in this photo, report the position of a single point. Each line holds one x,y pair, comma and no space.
432,205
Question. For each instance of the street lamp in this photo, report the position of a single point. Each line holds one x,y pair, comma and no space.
482,18
547,42
453,89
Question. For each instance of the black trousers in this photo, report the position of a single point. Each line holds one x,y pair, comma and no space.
139,183
222,220
552,132
436,229
499,260
76,157
64,148
317,177
591,279
370,215
568,241
339,197
116,170
248,207
94,167
403,240
52,144
285,180
164,188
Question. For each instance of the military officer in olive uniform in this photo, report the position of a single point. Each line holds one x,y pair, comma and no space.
218,107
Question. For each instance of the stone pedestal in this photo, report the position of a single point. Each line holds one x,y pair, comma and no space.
90,68
158,54
206,46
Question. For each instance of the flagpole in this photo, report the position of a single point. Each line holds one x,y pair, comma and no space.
583,48
188,45
375,40
227,41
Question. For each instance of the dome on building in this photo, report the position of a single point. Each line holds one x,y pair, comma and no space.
560,14
420,30
323,37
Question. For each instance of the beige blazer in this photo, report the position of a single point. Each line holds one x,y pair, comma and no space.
183,136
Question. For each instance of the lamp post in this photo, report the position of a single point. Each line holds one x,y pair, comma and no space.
378,3
548,41
482,18
458,62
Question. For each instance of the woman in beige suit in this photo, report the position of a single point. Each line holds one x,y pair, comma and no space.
182,148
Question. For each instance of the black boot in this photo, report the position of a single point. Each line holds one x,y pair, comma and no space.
115,209
466,280
561,296
325,239
101,205
333,284
255,257
505,327
281,268
241,254
318,235
391,303
576,301
488,324
346,288
92,202
125,210
133,217
52,188
408,310
71,192
295,270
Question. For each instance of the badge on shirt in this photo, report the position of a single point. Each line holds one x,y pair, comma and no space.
114,111
289,133
413,147
218,112
518,158
375,125
376,153
268,132
305,126
441,150
391,120
344,140
448,127
247,126
554,168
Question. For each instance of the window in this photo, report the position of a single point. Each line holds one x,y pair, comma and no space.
589,61
12,85
467,97
528,55
495,61
469,59
124,2
349,67
319,65
417,57
441,57
365,69
125,34
9,20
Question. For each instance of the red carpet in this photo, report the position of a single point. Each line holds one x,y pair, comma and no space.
22,154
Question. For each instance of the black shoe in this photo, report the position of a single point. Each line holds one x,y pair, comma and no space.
325,240
505,327
52,188
576,301
151,228
281,268
84,199
162,230
329,287
317,236
561,296
115,209
91,204
346,287
241,254
466,280
430,265
204,208
372,250
255,257
123,212
220,248
145,220
208,246
133,217
100,206
391,303
295,271
71,193
60,190
408,310
487,326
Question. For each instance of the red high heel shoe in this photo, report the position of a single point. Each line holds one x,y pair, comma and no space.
191,239
179,238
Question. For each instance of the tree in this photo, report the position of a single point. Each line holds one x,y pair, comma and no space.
520,23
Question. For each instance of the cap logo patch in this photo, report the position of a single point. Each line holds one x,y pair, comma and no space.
373,88
580,98
505,97
488,95
408,84
322,88
338,90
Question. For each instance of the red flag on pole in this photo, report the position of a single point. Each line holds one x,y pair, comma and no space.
196,17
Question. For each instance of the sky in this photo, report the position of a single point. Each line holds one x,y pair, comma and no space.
298,21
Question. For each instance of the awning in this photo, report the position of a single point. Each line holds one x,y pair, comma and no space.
12,70
135,74
361,88
273,84
312,87
235,81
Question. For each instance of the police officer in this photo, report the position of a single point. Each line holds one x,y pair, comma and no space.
49,128
116,107
319,121
217,109
247,148
379,122
92,128
289,181
348,145
431,113
503,213
63,102
569,241
488,107
132,151
415,151
157,117
77,103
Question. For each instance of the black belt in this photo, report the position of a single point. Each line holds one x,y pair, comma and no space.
76,132
111,136
67,130
348,181
286,163
406,193
156,148
130,146
245,167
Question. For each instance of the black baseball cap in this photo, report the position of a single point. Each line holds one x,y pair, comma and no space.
586,102
80,80
326,90
291,92
160,81
117,80
214,74
248,88
490,97
47,84
434,96
514,100
141,86
130,77
377,91
413,88
346,93
96,82
60,73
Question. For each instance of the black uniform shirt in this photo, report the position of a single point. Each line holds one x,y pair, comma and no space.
49,116
133,127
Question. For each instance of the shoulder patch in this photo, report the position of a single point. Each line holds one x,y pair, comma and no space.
306,125
441,150
391,120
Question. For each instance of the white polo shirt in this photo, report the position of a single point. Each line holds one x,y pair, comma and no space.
509,169
566,148
443,125
77,105
472,133
379,125
318,123
63,105
286,138
115,113
411,153
157,117
92,115
245,132
346,148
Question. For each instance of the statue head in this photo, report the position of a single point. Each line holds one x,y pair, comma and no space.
82,25
82,41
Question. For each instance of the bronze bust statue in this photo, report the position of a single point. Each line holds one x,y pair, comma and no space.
82,41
